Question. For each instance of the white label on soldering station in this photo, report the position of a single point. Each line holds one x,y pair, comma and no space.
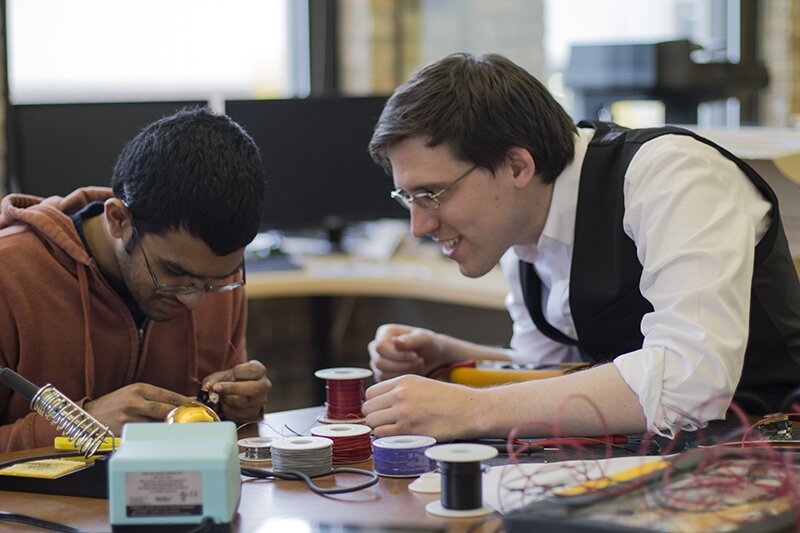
164,494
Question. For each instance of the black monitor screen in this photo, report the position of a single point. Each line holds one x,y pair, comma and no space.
56,148
319,173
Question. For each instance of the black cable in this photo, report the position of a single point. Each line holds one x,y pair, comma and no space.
36,522
295,475
205,525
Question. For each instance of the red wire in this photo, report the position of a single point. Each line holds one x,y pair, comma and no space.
344,398
718,483
351,449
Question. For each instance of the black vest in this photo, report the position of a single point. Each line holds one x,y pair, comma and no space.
607,306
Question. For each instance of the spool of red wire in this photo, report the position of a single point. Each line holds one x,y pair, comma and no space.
344,393
351,442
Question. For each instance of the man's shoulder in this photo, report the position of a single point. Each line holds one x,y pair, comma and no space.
23,250
680,151
21,239
687,145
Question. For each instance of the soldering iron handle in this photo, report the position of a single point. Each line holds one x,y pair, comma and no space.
18,383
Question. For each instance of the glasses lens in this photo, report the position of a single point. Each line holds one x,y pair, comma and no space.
178,290
225,288
426,200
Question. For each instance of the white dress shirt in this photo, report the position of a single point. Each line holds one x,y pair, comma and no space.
695,219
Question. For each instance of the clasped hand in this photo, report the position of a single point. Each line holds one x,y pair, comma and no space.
399,350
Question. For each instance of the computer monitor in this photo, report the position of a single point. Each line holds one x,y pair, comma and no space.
319,173
56,148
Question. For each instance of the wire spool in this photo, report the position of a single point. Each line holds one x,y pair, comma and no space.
256,449
310,455
351,442
344,392
461,475
427,483
402,455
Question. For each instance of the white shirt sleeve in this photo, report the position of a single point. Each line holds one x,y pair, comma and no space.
695,219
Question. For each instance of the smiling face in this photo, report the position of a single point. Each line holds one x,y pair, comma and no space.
483,214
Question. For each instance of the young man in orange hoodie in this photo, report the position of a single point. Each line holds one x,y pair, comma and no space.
129,299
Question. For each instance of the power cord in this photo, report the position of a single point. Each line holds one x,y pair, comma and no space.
207,525
295,475
36,522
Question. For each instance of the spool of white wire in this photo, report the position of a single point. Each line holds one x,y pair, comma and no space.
256,449
312,456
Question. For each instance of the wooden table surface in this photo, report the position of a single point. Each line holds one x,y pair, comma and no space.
270,505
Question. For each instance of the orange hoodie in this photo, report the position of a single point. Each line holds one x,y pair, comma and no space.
62,323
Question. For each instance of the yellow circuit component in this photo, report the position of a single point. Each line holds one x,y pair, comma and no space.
44,468
620,477
484,377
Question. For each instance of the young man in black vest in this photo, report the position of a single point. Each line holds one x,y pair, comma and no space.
654,254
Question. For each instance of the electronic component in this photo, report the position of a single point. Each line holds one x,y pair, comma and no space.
712,489
776,426
198,410
174,474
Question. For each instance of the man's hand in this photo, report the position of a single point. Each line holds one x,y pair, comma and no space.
399,349
413,405
137,402
243,390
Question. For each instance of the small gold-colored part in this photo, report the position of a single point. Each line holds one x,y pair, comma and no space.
193,411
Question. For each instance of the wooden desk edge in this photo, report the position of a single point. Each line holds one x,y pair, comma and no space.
427,279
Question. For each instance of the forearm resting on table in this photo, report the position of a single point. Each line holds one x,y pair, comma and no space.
591,402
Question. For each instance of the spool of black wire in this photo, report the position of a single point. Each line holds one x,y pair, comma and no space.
461,474
461,486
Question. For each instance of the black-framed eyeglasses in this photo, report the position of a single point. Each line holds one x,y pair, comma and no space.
426,200
181,290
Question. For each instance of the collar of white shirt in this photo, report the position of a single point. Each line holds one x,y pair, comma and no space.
560,223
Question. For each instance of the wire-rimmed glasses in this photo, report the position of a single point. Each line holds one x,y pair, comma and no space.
426,200
181,290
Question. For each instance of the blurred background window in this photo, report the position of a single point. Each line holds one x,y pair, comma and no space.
155,51
383,42
113,50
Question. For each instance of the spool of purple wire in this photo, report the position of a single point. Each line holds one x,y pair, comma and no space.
402,455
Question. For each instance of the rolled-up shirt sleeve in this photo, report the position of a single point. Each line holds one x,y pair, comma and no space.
695,219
